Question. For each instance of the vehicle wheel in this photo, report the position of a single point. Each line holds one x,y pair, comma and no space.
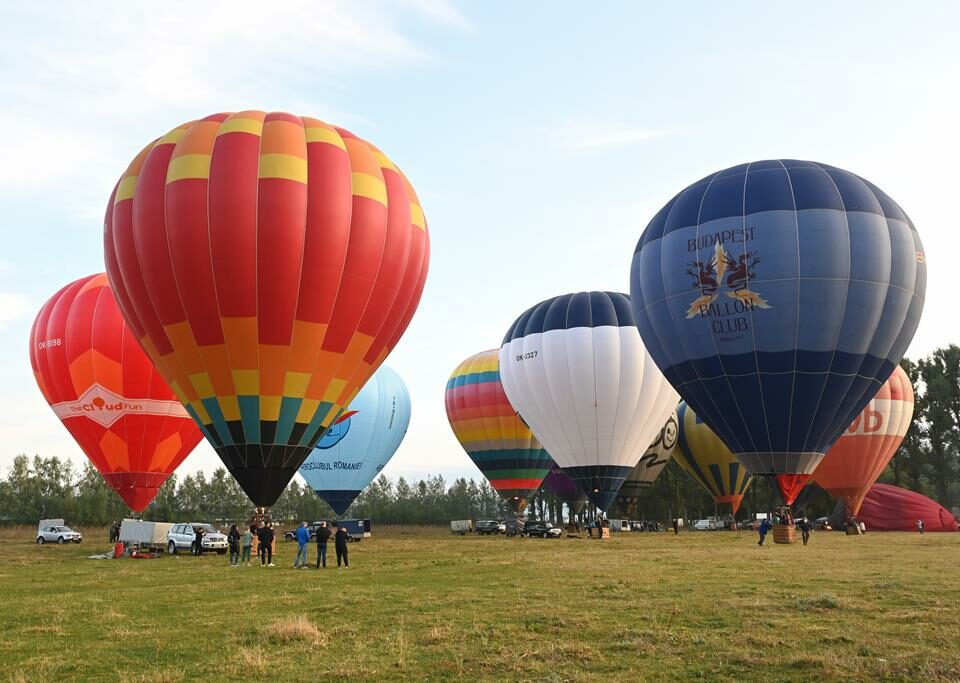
60,540
171,548
40,540
545,534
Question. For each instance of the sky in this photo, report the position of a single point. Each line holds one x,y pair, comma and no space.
541,138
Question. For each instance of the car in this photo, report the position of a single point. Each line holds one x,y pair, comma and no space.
704,525
542,530
181,537
822,524
749,524
487,527
58,534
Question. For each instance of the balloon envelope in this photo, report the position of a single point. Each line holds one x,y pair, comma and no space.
491,432
354,450
651,464
576,370
707,459
564,488
777,297
891,508
268,264
105,390
860,455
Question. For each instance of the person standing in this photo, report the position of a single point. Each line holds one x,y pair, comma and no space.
920,526
265,543
233,540
804,526
676,526
340,544
323,535
246,541
198,542
764,528
303,537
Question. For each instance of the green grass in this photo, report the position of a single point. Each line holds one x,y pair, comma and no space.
421,604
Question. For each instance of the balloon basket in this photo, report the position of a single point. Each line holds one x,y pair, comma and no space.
784,533
853,530
601,533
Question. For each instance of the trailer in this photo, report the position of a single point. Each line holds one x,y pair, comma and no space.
145,535
357,528
461,526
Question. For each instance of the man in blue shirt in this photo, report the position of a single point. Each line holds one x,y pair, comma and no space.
765,526
303,537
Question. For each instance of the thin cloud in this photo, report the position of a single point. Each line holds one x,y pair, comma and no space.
441,12
13,306
594,135
95,82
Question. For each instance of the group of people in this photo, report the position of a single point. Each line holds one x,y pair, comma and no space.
241,544
323,534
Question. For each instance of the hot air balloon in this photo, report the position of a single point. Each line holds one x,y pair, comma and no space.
859,456
576,370
105,390
891,508
491,432
705,458
268,264
354,450
651,464
563,487
777,297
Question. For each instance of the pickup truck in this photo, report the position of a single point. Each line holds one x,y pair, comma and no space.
357,530
542,530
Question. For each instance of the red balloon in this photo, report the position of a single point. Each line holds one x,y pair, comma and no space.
106,391
891,508
860,455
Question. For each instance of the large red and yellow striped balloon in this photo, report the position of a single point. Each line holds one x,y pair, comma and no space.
106,391
268,263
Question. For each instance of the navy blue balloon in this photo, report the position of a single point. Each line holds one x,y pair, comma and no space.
777,297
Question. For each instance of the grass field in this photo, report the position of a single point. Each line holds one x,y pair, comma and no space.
421,604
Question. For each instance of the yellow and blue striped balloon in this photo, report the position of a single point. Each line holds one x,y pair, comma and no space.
705,457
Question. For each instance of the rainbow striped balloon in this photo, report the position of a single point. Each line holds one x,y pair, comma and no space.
492,433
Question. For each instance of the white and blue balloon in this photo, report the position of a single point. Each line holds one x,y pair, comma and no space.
355,449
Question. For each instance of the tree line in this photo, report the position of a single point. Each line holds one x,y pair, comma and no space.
928,461
53,488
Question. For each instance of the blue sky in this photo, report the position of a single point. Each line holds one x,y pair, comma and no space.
541,138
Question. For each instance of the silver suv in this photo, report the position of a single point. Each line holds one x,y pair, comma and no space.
182,536
58,534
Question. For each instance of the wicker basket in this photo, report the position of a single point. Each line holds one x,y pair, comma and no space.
784,533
